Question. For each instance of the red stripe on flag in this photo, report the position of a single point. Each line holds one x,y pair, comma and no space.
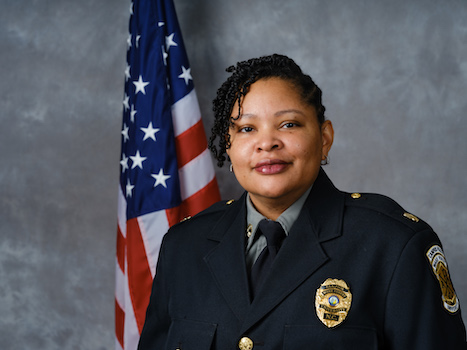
139,273
121,242
201,200
174,215
190,144
119,323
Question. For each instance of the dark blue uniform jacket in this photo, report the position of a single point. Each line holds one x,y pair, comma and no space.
200,297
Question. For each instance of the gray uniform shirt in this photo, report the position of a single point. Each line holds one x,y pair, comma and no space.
255,245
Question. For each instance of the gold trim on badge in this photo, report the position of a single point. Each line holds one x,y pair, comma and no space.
440,267
332,302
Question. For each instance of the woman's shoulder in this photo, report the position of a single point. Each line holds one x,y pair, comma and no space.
217,209
204,220
381,205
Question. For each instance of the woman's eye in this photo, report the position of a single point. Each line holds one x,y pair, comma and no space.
289,125
246,129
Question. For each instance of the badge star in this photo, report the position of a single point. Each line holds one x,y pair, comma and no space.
140,85
132,113
169,41
127,73
124,162
126,102
149,132
160,178
125,133
186,74
129,188
137,160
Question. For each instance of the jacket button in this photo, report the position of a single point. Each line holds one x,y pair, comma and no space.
245,344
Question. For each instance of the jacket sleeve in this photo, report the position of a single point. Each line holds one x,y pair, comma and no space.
156,326
417,316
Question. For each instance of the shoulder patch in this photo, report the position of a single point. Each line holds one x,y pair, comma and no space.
439,265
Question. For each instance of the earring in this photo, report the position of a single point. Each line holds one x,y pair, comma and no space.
325,160
231,168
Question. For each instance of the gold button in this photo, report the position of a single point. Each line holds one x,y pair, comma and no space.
230,201
245,344
355,195
411,217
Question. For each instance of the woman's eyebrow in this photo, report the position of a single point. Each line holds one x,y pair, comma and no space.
287,111
277,114
248,115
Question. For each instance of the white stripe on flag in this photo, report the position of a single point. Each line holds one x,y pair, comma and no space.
121,214
185,113
153,226
120,283
196,174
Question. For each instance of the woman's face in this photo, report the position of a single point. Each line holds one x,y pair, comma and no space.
277,144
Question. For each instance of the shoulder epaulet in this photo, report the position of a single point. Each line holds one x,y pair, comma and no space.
386,206
216,207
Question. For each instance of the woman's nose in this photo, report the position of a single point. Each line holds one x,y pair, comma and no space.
268,140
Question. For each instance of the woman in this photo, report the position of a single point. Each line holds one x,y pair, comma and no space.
339,271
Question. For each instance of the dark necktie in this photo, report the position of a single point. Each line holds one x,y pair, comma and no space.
274,234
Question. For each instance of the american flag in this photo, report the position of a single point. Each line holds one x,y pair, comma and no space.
166,169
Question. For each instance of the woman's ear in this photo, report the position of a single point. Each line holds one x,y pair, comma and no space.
327,136
227,149
228,140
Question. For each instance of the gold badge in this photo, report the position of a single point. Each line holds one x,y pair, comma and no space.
440,267
332,302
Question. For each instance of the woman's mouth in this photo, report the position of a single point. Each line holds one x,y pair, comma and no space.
271,166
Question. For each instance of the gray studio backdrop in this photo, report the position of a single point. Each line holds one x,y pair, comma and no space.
394,76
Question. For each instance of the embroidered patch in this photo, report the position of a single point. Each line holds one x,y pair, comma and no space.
332,302
440,268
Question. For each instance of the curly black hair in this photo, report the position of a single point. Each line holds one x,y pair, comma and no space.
237,85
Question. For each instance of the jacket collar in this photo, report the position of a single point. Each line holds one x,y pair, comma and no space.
325,208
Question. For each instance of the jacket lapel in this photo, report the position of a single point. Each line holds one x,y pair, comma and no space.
227,260
301,254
